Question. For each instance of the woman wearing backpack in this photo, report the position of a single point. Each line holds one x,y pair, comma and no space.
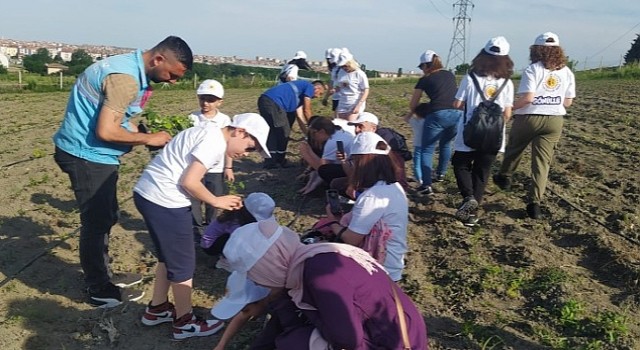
546,89
491,68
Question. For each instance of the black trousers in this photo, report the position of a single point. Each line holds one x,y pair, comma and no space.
94,186
280,123
472,170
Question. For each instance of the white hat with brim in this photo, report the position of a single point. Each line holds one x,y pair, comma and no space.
365,117
367,143
498,46
426,57
247,245
240,292
211,87
256,126
547,39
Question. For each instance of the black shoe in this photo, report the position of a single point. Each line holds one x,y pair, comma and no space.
424,190
126,279
471,221
533,210
502,181
438,178
111,296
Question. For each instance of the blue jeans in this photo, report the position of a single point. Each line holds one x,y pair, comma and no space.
94,186
439,127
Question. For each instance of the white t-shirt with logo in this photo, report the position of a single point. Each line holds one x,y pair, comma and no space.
549,87
220,120
467,92
160,180
351,86
386,202
331,146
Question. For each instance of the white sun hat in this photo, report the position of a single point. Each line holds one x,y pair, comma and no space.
256,126
240,292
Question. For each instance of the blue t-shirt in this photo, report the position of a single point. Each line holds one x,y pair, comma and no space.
289,96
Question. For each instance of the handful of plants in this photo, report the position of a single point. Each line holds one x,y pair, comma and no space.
172,124
153,122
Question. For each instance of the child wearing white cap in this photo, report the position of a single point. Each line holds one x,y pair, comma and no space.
492,68
210,95
257,206
163,196
546,89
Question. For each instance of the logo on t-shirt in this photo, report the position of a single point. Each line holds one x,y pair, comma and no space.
489,91
552,83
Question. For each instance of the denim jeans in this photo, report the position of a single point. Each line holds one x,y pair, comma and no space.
439,127
94,186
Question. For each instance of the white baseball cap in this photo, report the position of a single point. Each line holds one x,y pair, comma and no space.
260,205
367,142
365,117
344,57
300,54
240,291
498,46
547,39
211,87
426,57
247,245
256,126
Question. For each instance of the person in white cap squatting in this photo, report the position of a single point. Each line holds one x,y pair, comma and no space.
322,295
491,70
210,97
163,196
289,71
353,86
546,89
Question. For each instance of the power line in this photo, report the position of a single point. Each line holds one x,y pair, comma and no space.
437,10
615,41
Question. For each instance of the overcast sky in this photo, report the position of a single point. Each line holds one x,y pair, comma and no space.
385,35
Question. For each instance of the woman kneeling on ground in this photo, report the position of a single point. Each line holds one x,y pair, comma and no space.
326,295
379,218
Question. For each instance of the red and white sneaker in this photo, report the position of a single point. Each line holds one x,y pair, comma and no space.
154,315
189,326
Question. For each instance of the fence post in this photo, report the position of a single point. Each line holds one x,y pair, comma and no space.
61,80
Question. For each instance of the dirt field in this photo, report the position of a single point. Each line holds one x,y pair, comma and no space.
570,281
